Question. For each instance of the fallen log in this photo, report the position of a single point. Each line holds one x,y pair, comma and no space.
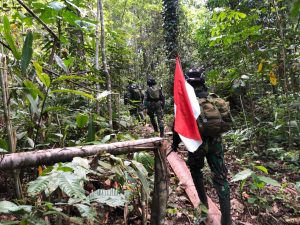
51,156
181,170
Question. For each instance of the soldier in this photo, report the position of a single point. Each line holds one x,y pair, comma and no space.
134,97
154,102
212,150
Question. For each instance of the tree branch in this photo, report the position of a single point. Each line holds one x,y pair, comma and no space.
5,45
56,39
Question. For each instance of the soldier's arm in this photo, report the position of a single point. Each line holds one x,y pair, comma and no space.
176,139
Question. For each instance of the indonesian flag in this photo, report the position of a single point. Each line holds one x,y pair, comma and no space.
187,110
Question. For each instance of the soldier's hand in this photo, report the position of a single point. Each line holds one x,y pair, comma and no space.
174,147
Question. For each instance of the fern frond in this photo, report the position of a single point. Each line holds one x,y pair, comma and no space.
39,185
70,184
110,197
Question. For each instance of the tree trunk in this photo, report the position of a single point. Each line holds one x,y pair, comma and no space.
97,53
11,133
283,59
104,63
51,156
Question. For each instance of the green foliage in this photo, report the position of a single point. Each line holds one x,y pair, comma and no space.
9,207
255,184
231,27
44,78
76,92
26,52
110,197
9,38
82,120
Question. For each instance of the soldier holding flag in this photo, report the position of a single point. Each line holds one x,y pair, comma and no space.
187,111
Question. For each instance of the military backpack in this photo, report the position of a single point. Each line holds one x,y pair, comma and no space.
135,93
215,117
154,92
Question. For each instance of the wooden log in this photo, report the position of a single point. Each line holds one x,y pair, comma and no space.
181,170
161,187
51,156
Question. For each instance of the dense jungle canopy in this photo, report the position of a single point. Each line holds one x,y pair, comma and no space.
65,67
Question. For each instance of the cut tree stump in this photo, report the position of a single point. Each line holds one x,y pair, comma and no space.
181,170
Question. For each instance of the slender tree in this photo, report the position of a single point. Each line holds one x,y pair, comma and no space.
104,63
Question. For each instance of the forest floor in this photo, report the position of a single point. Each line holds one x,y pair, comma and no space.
272,205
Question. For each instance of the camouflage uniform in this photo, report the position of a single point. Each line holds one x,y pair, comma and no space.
136,105
155,109
212,150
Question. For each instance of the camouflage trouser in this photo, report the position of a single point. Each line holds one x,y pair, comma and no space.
137,112
212,150
154,109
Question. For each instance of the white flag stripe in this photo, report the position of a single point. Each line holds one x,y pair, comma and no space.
193,99
191,144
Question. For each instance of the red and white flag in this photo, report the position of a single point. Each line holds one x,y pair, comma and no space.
187,110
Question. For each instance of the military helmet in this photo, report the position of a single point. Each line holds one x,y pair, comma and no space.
195,76
133,86
151,81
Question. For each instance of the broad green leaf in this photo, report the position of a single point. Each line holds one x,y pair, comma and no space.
91,130
61,63
30,142
295,9
142,175
70,184
241,15
81,120
80,162
110,197
38,67
33,104
26,52
44,78
6,206
54,109
39,185
33,89
75,6
146,159
57,5
242,175
86,211
262,168
76,92
75,77
9,38
106,138
269,180
65,169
